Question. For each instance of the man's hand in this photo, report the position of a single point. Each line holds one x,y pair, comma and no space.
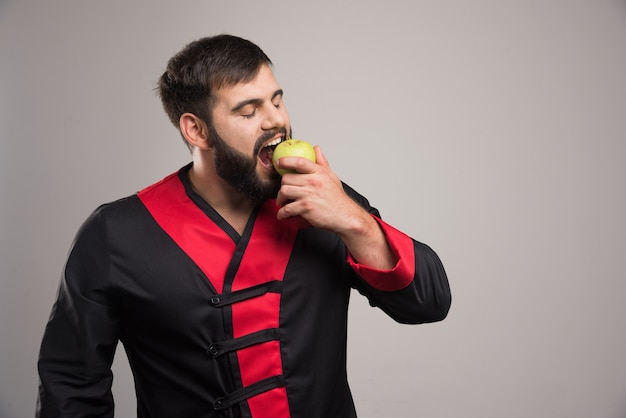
315,194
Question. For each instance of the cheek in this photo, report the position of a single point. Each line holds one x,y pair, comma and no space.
240,136
288,125
286,116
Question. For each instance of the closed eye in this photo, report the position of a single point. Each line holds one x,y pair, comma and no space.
249,115
241,108
277,99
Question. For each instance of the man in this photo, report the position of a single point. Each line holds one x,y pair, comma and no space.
227,284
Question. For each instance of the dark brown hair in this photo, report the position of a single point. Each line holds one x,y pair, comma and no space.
203,66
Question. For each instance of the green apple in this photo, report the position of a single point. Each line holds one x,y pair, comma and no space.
292,148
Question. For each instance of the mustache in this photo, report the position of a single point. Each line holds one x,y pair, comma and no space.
267,136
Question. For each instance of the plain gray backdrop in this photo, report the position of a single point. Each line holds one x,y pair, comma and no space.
494,131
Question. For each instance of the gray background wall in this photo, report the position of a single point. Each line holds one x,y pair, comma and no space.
492,130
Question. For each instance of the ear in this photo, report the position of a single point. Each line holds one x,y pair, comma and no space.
194,130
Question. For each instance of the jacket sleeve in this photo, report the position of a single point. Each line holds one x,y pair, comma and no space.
81,336
416,289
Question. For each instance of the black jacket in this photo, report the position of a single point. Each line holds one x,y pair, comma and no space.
216,324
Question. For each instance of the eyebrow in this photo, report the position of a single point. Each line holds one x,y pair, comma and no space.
254,102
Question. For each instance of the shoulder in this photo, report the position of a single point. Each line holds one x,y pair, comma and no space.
109,218
122,206
117,210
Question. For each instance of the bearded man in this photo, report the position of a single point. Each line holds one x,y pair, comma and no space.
227,284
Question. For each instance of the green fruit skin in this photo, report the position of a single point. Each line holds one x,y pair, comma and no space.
292,148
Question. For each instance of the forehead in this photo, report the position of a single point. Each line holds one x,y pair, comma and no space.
261,87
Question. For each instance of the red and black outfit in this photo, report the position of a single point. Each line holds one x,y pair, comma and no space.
216,324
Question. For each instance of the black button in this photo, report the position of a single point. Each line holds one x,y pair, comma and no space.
213,350
217,405
215,300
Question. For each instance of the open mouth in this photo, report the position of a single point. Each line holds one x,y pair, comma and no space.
266,153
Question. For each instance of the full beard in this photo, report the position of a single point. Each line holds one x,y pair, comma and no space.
239,170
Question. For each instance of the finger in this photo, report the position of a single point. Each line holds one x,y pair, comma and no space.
299,164
288,210
282,199
320,157
289,192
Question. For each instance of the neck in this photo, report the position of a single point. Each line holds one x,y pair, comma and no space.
234,207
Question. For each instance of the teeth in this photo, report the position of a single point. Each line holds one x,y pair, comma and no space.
275,142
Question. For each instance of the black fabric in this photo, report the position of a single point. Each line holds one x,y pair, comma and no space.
218,348
248,392
239,295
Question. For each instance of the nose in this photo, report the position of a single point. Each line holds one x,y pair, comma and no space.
276,117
